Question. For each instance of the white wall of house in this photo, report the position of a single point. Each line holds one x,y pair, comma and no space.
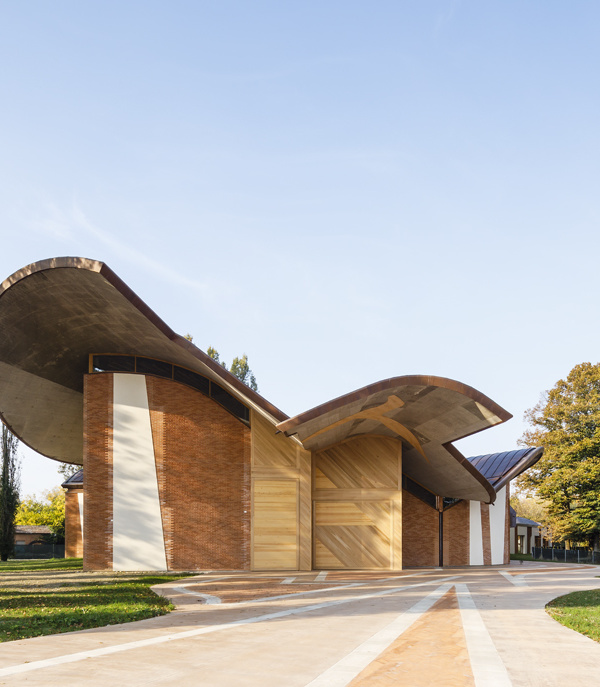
521,530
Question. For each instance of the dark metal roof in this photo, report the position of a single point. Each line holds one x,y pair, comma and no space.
500,468
527,522
74,480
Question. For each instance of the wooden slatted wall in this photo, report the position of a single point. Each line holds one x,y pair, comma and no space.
357,493
281,500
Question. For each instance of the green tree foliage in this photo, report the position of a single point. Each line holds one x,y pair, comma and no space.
9,492
214,354
529,507
67,469
49,509
567,423
239,368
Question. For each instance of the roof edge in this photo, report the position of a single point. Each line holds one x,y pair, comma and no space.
526,462
287,426
112,278
472,470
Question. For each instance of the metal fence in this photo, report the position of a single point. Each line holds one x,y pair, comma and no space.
39,551
566,555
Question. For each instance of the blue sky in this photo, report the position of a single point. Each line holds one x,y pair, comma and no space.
345,191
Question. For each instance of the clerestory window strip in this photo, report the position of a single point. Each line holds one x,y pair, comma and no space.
109,362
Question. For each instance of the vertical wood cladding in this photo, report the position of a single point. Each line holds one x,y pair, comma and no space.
203,467
73,540
97,468
280,468
420,533
456,534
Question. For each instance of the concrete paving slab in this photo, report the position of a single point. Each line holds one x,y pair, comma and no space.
295,639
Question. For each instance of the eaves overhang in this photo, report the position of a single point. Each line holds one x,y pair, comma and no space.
53,315
501,468
425,413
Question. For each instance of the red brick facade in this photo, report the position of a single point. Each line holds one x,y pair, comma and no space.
203,467
420,533
73,539
507,527
456,534
485,533
202,457
97,468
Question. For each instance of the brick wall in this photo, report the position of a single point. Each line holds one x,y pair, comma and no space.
456,534
420,533
507,527
73,540
485,533
97,468
203,468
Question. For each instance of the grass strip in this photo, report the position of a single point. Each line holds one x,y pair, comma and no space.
41,564
578,610
65,600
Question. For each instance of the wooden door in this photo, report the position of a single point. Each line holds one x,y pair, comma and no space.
275,524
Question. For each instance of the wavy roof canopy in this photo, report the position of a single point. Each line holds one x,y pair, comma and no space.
53,314
425,413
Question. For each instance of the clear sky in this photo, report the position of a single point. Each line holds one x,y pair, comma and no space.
345,191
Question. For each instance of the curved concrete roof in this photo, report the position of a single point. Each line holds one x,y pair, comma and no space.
56,312
426,413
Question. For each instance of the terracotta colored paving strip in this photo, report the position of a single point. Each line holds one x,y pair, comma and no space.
234,591
525,571
433,651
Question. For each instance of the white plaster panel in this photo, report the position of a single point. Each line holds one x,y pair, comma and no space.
138,542
475,534
80,504
497,527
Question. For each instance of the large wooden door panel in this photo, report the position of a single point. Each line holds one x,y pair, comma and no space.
352,534
275,520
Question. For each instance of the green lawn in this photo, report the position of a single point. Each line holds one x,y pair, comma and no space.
521,557
580,611
14,565
48,597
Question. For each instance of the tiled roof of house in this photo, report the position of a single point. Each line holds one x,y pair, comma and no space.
32,529
74,480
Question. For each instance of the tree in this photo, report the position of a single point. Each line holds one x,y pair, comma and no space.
67,469
566,422
49,509
9,492
530,507
239,368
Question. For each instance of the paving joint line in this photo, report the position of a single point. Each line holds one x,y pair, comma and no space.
163,639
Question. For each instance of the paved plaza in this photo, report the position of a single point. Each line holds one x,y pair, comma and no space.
452,627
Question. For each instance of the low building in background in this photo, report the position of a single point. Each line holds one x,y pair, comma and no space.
525,535
30,534
186,468
73,487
